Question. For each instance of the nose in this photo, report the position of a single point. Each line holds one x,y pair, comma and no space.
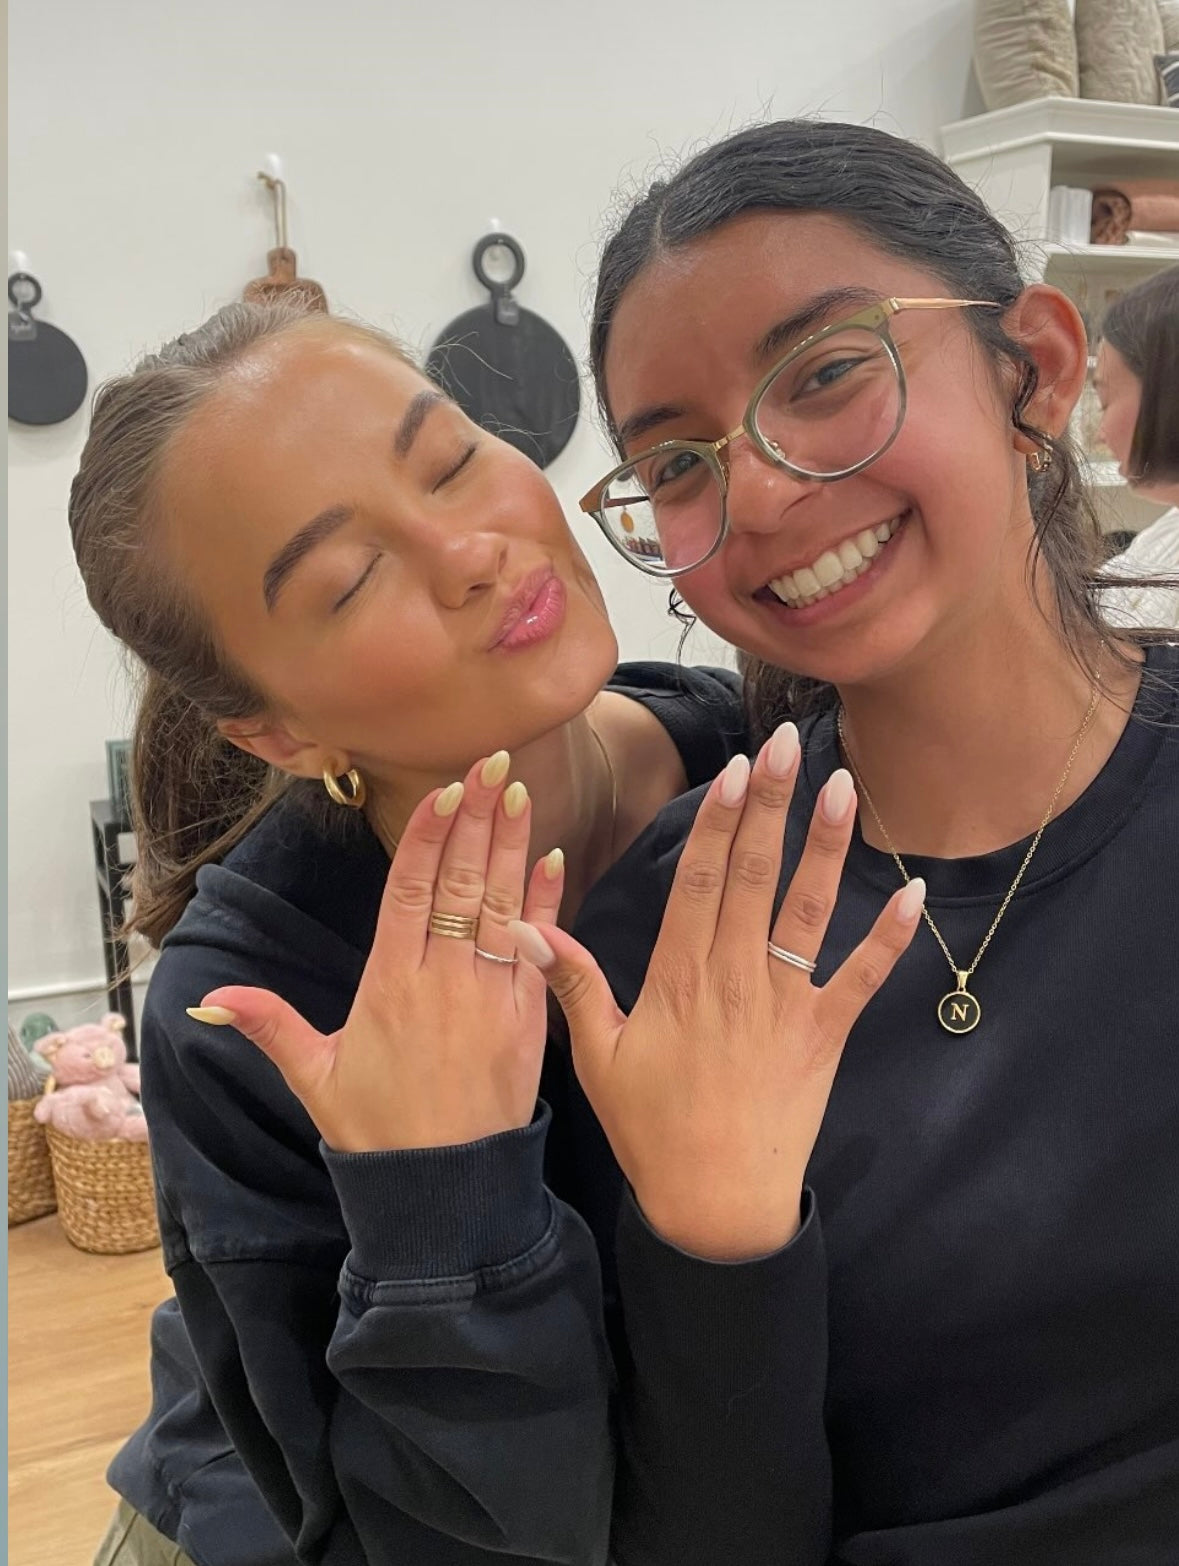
104,1058
760,492
466,563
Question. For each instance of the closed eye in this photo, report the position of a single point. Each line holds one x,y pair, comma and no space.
357,585
454,472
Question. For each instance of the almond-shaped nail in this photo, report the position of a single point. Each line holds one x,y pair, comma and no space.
495,769
515,799
554,863
449,800
839,797
911,901
734,781
531,944
215,1016
782,752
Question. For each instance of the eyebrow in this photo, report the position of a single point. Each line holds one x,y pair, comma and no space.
321,527
306,539
768,347
414,418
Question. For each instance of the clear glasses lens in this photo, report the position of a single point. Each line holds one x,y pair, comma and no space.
833,406
666,510
830,408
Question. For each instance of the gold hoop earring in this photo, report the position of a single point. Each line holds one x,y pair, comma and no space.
356,784
1040,461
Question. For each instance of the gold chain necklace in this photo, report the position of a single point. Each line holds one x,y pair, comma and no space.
959,1011
613,776
395,842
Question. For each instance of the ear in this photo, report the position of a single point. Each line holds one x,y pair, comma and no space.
1048,325
274,744
114,1022
48,1047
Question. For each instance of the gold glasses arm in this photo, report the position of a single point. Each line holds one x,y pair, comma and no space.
893,305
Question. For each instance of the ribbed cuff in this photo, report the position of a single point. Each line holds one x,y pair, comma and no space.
718,1316
444,1212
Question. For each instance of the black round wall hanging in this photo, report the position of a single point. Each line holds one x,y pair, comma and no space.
506,367
46,370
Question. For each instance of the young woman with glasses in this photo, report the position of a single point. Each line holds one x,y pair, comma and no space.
875,1119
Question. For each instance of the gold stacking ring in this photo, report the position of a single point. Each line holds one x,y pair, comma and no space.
457,927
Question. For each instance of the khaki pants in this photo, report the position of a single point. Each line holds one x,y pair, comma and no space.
132,1541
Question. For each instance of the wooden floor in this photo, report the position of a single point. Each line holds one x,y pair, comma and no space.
77,1386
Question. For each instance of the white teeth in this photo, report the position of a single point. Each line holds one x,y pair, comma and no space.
835,568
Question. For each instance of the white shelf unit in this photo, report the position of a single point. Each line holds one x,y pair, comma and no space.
1014,156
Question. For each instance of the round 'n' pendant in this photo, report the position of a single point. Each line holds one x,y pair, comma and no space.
959,1012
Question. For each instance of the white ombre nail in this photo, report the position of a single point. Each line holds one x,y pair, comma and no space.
782,752
554,863
449,800
838,798
734,781
911,901
531,945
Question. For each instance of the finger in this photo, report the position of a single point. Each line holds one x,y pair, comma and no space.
853,984
690,918
299,1052
542,905
803,918
595,1021
507,864
462,872
755,858
409,887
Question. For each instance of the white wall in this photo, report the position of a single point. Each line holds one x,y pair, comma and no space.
135,133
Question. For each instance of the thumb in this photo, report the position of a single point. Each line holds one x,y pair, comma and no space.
580,986
277,1029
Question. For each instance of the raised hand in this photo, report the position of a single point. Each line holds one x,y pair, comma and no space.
713,1090
444,1043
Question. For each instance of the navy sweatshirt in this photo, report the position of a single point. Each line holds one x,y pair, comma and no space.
968,1356
385,1358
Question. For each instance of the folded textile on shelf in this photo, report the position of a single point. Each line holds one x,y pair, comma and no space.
1151,204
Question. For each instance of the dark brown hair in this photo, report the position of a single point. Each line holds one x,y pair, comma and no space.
1143,325
911,205
193,793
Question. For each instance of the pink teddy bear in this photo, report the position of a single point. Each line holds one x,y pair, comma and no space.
92,1091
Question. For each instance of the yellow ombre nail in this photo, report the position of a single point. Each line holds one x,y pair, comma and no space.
495,769
554,863
215,1016
449,800
515,800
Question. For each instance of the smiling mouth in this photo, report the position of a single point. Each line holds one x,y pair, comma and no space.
835,568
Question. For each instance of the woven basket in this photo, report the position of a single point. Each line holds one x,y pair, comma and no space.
30,1173
105,1196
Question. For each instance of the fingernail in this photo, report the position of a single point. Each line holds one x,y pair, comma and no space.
734,781
495,769
531,944
783,750
554,863
839,797
215,1016
515,798
449,800
911,900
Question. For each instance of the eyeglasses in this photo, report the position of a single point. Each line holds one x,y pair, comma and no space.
827,410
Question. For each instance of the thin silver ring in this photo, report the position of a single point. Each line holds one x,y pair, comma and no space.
508,962
792,958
